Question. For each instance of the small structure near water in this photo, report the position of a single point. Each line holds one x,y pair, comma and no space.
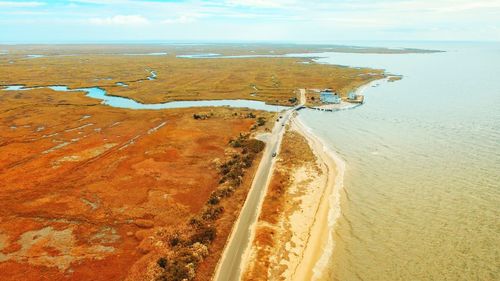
329,96
352,97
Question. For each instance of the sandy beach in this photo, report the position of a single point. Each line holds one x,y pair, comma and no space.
299,211
315,256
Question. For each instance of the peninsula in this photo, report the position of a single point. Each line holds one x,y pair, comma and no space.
95,184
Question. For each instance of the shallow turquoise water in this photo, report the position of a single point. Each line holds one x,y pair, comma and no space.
121,102
422,186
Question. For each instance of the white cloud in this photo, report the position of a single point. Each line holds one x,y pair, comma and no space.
259,3
102,2
120,20
24,13
468,6
418,6
184,18
12,4
260,19
181,19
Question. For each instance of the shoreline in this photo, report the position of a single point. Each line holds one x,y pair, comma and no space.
346,105
318,239
377,82
319,243
320,248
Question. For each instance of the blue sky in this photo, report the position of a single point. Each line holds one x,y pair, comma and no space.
249,20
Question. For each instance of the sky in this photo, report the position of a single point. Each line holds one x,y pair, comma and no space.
249,20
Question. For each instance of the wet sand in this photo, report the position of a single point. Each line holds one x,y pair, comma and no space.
315,255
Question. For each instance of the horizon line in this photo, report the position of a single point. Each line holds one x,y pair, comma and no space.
215,41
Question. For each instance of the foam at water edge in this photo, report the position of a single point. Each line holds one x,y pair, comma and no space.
334,203
333,213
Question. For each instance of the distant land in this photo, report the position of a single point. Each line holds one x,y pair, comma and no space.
103,192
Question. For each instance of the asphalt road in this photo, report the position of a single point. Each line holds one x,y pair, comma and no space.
229,267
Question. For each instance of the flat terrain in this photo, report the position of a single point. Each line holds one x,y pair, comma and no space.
83,185
200,48
133,194
287,212
273,80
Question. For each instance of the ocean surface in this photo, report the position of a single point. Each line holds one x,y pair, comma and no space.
421,197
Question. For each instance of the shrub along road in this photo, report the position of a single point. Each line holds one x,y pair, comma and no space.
229,266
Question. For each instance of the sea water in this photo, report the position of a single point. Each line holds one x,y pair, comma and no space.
421,196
